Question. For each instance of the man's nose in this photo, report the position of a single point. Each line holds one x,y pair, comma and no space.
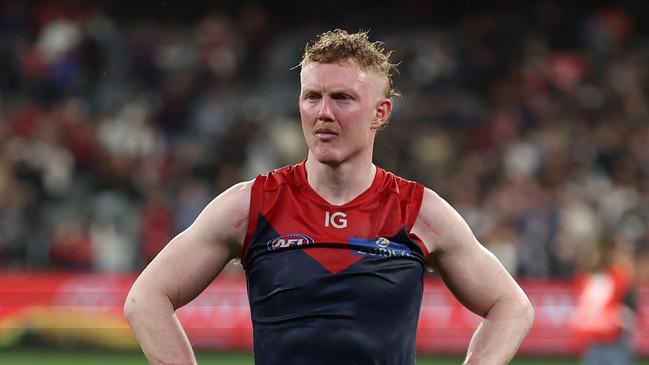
324,112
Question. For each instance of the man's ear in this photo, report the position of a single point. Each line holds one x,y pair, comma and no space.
383,111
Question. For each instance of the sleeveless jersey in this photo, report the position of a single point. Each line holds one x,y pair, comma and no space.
333,284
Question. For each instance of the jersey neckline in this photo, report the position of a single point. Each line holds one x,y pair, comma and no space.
361,198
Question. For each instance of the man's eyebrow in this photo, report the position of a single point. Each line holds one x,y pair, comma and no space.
340,90
310,91
330,91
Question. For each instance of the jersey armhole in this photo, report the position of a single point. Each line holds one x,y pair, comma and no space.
253,213
415,207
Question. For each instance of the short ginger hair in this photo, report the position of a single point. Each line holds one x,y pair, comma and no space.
338,45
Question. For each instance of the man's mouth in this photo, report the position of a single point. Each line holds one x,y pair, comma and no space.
325,134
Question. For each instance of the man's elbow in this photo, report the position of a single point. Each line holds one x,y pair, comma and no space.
136,303
144,302
515,308
527,313
131,307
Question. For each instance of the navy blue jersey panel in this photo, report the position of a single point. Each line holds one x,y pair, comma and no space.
304,314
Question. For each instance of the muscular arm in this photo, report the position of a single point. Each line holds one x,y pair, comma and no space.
477,279
182,270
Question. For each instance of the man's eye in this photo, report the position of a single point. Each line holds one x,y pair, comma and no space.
311,96
341,97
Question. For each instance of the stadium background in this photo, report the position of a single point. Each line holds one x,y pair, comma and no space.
119,121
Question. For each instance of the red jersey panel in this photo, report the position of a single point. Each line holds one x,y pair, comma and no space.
333,284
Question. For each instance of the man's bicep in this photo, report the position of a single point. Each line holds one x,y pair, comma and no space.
475,276
193,258
472,273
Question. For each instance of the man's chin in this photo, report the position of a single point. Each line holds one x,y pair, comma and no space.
328,159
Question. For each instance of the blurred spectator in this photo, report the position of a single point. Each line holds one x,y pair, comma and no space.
605,312
71,247
114,232
16,206
157,226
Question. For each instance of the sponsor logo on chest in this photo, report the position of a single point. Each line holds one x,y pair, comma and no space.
380,246
335,219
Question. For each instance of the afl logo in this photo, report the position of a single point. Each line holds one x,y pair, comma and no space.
288,241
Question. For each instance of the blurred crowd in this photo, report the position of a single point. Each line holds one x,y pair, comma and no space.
116,131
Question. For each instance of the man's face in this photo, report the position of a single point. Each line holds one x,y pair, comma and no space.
341,107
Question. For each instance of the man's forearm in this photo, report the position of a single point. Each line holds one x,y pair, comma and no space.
500,334
158,330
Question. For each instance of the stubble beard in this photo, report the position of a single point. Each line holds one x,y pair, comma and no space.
335,157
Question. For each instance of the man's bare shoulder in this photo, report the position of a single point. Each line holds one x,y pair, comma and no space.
225,218
240,193
436,221
235,199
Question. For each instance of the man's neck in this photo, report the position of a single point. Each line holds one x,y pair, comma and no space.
339,184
